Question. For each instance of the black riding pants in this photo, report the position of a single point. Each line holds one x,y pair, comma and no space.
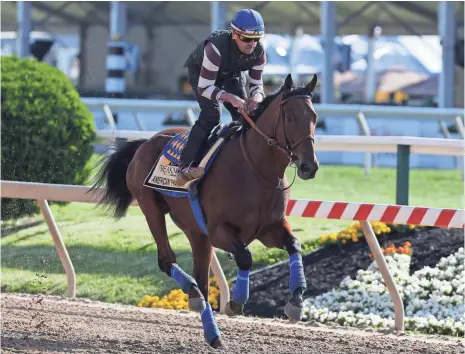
210,113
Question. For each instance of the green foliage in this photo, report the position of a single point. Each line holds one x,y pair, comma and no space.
47,131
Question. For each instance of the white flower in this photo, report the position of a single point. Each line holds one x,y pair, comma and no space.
433,297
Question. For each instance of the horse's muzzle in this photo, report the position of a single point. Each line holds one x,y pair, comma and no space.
307,171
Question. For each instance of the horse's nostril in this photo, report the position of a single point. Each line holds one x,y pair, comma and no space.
305,169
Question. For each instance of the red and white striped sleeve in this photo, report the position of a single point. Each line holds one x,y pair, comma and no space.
210,66
256,77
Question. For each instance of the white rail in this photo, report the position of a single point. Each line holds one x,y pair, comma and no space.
355,143
326,110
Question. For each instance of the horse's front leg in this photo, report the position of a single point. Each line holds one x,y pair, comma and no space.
243,259
225,238
280,236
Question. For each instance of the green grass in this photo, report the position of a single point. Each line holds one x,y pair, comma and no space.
117,261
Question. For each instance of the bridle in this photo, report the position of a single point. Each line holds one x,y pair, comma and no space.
288,149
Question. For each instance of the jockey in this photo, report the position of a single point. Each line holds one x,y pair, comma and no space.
216,69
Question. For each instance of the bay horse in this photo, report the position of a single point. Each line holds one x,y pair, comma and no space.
243,198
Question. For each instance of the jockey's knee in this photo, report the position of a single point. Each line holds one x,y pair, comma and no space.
243,258
292,245
201,128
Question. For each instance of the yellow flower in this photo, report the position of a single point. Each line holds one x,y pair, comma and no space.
176,299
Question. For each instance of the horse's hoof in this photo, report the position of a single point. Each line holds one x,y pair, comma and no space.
293,312
216,343
196,301
233,309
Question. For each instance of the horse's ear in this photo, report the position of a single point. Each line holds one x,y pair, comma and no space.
311,86
288,83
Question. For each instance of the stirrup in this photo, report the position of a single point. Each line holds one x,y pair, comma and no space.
188,174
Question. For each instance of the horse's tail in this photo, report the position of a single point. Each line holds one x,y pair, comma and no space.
112,176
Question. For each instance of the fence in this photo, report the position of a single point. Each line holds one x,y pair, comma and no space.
401,145
365,213
358,112
361,113
324,110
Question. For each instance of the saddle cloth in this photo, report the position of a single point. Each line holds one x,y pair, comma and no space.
163,174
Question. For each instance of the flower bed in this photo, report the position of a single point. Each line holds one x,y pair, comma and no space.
326,267
177,300
352,234
433,297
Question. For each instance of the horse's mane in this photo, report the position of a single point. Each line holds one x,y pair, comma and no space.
295,90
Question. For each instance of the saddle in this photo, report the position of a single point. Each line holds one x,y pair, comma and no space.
165,170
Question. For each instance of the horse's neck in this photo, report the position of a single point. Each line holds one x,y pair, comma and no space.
267,160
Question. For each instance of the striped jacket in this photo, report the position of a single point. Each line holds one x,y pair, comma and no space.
218,57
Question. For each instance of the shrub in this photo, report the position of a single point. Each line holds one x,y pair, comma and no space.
47,131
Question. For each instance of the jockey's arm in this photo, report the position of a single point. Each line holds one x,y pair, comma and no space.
210,66
256,80
208,73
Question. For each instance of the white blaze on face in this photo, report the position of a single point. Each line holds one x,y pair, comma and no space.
312,124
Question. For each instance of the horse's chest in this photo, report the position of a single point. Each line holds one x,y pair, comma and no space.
262,209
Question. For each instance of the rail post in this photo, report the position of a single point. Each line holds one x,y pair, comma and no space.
61,248
403,171
384,269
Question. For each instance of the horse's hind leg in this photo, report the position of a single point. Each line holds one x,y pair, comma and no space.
154,208
202,253
166,257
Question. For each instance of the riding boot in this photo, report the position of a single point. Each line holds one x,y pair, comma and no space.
189,157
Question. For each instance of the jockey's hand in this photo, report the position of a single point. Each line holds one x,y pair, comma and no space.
253,102
236,101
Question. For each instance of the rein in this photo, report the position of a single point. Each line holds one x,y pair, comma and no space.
273,142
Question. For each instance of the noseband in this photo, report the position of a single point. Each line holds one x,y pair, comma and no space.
288,149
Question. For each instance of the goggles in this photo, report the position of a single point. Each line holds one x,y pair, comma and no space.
246,39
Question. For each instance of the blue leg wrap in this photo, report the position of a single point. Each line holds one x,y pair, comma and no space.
241,291
297,278
183,279
210,329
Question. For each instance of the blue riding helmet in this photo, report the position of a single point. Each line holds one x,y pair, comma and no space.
248,23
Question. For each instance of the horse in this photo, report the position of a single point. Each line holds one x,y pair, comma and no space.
243,196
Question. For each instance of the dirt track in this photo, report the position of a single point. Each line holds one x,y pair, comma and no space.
56,325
